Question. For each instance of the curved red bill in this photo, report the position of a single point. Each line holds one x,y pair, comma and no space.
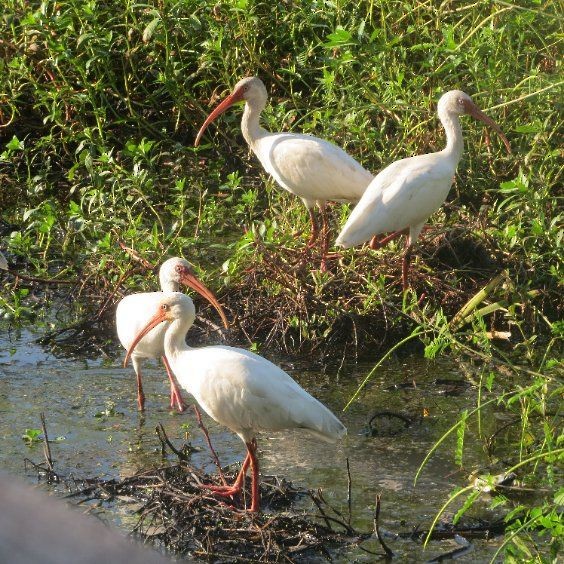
191,281
233,98
159,317
476,113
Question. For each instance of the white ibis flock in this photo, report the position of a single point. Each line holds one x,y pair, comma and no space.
238,388
314,169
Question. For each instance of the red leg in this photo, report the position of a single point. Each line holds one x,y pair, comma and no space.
140,393
212,450
228,491
255,499
175,396
324,238
314,228
375,244
405,267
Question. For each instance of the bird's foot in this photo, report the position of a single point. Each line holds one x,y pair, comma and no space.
141,401
222,491
176,400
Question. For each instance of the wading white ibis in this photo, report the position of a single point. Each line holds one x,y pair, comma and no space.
403,195
237,388
315,170
133,311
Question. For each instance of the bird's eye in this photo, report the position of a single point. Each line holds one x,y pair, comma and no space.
461,101
164,307
178,268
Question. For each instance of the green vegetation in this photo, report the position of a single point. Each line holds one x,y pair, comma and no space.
99,106
32,436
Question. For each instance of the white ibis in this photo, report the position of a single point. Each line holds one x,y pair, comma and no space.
404,194
133,310
313,169
237,388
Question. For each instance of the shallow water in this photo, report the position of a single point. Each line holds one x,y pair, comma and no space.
91,406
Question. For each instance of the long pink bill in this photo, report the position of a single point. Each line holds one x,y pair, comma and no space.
191,281
476,113
158,318
233,98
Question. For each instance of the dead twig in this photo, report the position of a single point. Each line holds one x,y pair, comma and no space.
46,447
387,550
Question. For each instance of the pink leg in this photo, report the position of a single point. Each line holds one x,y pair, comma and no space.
405,267
212,450
324,238
175,396
140,393
375,244
314,229
228,491
255,503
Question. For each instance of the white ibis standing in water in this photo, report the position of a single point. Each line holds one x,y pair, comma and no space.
403,195
133,311
313,169
237,388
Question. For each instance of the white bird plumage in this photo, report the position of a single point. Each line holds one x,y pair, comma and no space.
314,169
133,310
408,191
239,389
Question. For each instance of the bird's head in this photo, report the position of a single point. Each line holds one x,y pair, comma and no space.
179,271
459,103
173,305
250,89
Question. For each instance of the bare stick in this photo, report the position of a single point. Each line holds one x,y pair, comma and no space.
387,550
349,488
46,447
163,437
21,276
213,453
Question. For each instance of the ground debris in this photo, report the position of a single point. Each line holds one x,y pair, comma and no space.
177,513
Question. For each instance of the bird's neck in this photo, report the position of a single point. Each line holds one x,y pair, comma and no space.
250,124
175,337
453,130
170,286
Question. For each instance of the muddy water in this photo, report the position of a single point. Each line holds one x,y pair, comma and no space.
90,408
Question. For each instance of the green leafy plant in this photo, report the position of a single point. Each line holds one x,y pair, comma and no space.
32,436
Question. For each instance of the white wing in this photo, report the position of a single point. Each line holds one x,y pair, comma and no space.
248,393
312,168
404,194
